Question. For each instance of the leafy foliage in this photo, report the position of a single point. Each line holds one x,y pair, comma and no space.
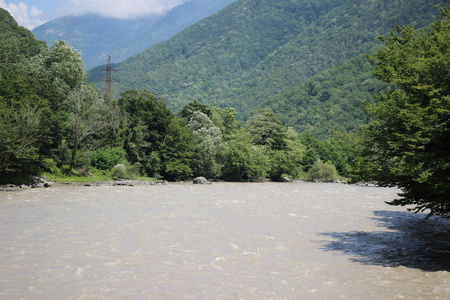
208,138
86,116
48,111
20,122
322,171
147,120
266,130
22,109
124,171
195,106
409,137
242,161
105,159
177,150
287,160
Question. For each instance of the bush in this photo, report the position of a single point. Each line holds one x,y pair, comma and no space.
322,171
124,171
107,158
82,159
177,169
49,165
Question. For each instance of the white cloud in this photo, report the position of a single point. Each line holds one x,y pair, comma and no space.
28,17
122,9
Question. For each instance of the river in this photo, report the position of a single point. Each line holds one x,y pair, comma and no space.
219,241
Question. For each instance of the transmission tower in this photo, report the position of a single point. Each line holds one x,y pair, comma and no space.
108,80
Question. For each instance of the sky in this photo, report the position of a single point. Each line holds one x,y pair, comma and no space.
32,13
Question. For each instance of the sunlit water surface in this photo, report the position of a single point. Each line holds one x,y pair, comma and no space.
219,241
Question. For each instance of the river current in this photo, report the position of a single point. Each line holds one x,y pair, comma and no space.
219,241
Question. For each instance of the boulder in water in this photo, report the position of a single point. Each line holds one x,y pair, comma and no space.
201,180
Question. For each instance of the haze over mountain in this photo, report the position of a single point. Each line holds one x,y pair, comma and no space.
255,49
96,37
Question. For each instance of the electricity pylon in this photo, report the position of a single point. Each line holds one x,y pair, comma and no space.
108,80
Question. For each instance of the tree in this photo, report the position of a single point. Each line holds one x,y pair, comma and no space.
287,160
86,116
225,119
20,132
265,129
208,138
242,161
322,171
312,146
21,117
187,110
409,136
147,122
54,74
177,150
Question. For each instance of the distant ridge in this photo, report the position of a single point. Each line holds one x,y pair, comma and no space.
96,37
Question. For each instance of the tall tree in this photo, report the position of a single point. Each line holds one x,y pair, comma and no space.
22,110
287,160
177,150
86,116
409,136
267,130
147,121
21,115
208,138
54,74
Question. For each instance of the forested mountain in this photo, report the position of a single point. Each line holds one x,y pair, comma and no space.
16,40
96,37
253,50
330,101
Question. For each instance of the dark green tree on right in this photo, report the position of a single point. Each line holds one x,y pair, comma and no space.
408,139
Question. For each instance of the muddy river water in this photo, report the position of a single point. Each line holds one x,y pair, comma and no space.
219,241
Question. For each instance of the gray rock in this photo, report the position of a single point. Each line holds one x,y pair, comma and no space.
201,180
286,179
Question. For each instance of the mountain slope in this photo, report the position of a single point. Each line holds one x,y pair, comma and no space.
203,60
329,101
96,37
16,41
255,49
345,32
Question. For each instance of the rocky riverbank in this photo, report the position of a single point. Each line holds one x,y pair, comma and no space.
44,182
